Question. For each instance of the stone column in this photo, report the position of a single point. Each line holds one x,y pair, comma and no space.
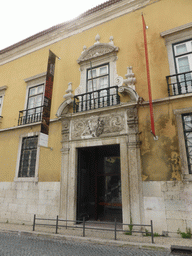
135,183
64,170
125,182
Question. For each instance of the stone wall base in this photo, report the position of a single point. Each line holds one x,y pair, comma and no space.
169,205
19,201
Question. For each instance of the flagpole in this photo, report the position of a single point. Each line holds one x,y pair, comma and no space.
148,79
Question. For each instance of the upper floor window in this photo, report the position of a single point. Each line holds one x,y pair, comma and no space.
98,78
183,56
179,47
97,88
34,100
2,94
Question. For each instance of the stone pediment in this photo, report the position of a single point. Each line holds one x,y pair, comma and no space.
97,50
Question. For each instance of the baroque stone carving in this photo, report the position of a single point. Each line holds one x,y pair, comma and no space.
132,120
95,126
130,78
64,107
97,50
65,130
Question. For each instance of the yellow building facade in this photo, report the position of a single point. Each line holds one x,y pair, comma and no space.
100,159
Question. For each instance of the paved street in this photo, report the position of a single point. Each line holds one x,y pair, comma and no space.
14,244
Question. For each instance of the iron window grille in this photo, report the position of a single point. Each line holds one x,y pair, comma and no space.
96,99
187,127
28,157
180,83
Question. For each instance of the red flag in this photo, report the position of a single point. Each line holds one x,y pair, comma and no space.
148,78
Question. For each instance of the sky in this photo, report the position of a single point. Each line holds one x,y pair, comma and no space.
20,19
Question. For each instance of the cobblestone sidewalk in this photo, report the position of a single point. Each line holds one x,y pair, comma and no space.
106,237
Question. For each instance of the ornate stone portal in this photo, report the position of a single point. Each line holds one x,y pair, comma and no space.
113,125
99,128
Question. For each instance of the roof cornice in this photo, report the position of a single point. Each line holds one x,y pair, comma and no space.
57,33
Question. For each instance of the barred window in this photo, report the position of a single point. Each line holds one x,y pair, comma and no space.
28,157
187,127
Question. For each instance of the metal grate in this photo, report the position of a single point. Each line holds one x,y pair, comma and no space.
96,99
187,127
31,115
179,83
28,157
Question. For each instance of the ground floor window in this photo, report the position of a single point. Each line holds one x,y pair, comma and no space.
28,157
187,127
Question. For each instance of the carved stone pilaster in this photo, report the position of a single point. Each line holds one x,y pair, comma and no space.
134,166
65,130
132,120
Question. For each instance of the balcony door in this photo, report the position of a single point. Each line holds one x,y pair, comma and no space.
183,62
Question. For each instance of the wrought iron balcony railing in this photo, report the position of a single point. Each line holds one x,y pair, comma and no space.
31,115
179,83
96,99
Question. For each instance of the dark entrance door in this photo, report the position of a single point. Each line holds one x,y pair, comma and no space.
99,183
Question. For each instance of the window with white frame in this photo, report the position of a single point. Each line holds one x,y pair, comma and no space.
28,155
179,48
187,129
98,78
34,100
184,126
97,88
2,94
183,64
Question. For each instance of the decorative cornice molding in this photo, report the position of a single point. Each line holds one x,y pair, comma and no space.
175,30
35,77
97,50
3,88
71,28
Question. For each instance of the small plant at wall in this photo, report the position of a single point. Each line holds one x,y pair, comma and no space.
147,233
186,234
130,228
7,221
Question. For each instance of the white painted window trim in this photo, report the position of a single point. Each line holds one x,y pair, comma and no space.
182,147
34,81
33,179
99,61
176,35
2,94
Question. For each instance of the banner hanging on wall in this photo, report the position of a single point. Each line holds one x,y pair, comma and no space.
48,93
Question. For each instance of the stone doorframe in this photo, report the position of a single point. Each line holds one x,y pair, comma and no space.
106,126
